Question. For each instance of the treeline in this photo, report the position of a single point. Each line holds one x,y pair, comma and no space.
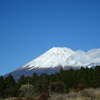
62,82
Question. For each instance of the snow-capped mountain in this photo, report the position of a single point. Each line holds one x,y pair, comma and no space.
56,58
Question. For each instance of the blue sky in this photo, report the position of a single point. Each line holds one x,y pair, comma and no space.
28,28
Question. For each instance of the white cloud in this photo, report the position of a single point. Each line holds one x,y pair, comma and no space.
87,57
94,53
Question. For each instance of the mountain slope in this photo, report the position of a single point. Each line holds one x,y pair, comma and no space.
56,58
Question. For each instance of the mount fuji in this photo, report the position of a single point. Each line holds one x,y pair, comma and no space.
56,58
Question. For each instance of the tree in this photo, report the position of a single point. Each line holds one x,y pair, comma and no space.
21,81
34,78
45,82
96,77
26,90
58,87
42,83
38,86
2,86
10,87
61,70
11,92
10,82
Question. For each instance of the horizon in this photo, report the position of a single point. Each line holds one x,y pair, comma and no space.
30,28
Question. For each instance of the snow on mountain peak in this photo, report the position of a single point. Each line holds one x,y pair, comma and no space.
60,51
63,56
56,56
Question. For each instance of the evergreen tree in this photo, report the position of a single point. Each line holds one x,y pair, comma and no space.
69,80
10,85
61,70
45,82
96,77
34,78
38,87
90,77
81,75
2,86
10,82
11,92
21,81
57,77
52,77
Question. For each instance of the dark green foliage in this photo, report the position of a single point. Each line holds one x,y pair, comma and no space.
21,81
9,81
96,77
42,83
2,86
10,87
11,92
34,79
64,81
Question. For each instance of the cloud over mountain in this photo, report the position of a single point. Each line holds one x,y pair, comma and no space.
85,58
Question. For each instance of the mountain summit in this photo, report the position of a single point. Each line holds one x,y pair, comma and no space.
56,58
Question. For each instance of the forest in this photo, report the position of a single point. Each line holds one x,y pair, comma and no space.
63,81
